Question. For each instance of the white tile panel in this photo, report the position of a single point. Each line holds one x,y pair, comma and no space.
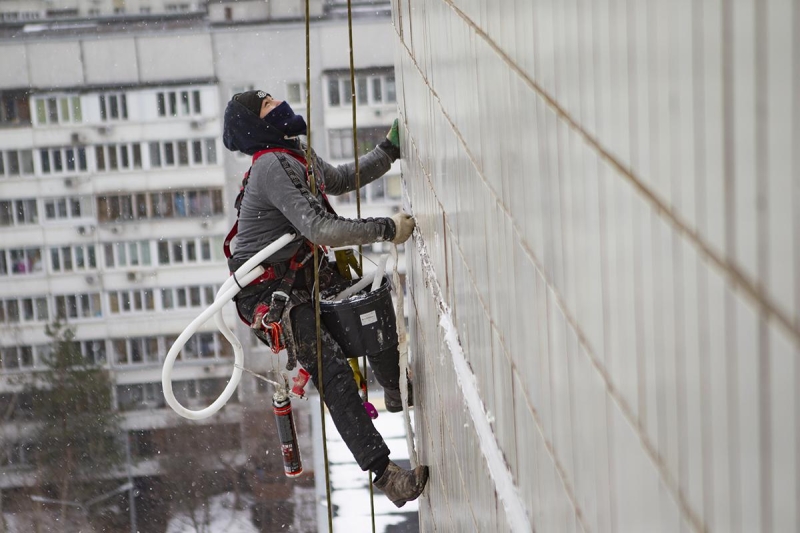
711,175
682,99
744,176
694,451
618,140
783,397
781,172
747,406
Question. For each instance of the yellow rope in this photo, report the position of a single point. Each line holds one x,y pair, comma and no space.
313,184
358,213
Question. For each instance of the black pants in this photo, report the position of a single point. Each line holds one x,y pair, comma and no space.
340,389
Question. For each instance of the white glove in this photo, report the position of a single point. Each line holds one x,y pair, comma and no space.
404,225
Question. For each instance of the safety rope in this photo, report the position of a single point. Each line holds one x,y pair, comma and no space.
358,215
313,184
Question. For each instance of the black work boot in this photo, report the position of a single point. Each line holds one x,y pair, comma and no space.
400,485
394,404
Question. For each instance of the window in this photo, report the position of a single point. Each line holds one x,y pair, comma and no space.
20,261
186,297
85,305
334,97
183,153
18,212
113,157
13,358
71,207
14,109
361,91
341,141
15,163
73,258
211,151
296,94
394,187
376,191
155,154
18,454
178,204
391,90
120,207
179,103
135,350
140,396
127,254
93,351
63,160
370,89
15,310
58,109
132,301
340,144
177,8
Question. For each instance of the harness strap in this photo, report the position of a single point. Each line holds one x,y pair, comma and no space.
226,245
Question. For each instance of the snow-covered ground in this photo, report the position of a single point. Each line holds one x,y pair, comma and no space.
224,518
349,494
350,485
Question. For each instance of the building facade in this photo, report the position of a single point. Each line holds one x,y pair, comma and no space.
116,193
604,284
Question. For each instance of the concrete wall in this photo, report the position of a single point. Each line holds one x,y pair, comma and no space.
607,200
72,62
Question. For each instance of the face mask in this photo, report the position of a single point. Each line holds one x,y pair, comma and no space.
283,118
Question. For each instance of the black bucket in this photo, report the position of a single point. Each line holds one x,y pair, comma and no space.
363,324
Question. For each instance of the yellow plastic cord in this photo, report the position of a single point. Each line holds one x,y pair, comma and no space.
313,184
358,212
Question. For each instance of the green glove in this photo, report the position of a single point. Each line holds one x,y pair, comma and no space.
394,134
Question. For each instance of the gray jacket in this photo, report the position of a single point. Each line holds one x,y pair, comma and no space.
277,200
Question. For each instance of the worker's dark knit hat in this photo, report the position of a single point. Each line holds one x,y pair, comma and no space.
251,100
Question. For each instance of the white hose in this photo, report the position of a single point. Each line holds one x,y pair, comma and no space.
379,272
374,279
245,274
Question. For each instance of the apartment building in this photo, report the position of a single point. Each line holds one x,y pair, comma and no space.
116,194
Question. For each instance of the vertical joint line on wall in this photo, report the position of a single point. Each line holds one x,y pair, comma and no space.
762,139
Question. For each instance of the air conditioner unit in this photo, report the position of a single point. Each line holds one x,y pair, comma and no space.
115,229
91,279
134,276
85,230
78,138
197,124
103,130
69,182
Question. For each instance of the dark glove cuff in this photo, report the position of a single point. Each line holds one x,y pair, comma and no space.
390,229
391,150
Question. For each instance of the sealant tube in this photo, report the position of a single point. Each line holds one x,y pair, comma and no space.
287,434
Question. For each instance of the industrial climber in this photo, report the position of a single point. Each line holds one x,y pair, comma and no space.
276,199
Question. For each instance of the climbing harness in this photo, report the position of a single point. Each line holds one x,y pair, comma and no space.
266,321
